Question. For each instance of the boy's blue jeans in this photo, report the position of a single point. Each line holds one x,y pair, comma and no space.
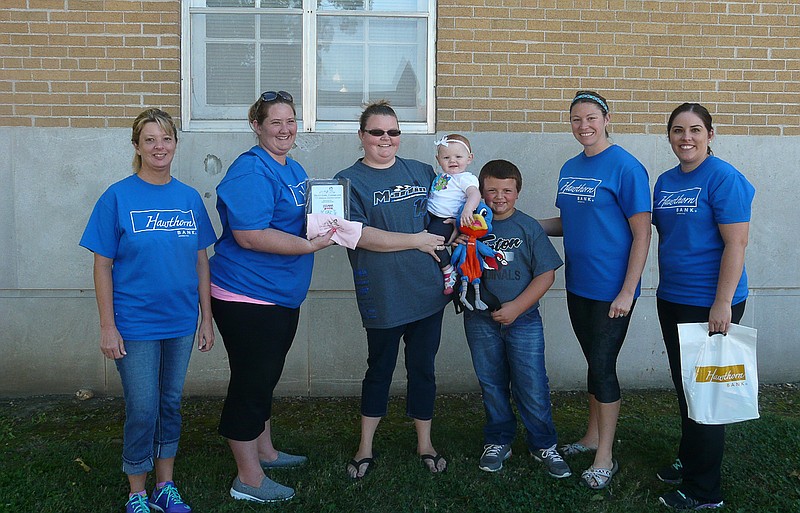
152,373
510,359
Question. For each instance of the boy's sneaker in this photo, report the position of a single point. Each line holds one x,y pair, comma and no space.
672,474
137,504
269,491
168,500
682,502
449,282
493,457
556,466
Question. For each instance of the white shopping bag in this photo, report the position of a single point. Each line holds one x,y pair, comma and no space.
719,373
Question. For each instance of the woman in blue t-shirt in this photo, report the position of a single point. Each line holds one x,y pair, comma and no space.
149,234
604,198
260,273
701,210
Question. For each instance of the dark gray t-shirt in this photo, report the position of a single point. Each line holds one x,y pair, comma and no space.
402,286
528,251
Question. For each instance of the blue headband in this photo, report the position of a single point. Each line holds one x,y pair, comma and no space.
596,99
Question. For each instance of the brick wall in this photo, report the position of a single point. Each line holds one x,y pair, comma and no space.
87,63
503,65
514,65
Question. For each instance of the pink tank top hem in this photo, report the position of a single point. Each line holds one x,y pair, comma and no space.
223,295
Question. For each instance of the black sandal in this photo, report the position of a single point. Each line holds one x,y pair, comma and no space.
435,459
370,462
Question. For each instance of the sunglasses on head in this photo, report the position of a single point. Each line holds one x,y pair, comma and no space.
271,96
375,132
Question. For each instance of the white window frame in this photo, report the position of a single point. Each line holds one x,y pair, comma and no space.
309,122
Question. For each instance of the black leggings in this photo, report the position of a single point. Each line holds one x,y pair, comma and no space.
702,445
257,339
601,339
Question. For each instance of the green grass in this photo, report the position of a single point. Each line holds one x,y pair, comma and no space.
42,438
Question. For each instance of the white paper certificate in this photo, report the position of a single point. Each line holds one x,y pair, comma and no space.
327,199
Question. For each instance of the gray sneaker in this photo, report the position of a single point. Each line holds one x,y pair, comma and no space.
269,491
493,457
556,466
285,460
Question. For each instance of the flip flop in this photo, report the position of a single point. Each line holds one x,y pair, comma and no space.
599,478
435,459
370,462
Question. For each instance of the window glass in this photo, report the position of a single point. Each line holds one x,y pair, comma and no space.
244,55
373,5
332,55
365,58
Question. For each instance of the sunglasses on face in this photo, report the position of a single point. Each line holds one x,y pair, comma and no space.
379,133
271,96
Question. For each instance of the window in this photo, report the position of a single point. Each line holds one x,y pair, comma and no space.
332,55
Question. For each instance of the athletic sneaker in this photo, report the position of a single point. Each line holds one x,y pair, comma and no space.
556,466
285,460
682,502
672,474
493,457
269,491
137,504
168,500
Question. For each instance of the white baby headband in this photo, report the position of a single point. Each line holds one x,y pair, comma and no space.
444,141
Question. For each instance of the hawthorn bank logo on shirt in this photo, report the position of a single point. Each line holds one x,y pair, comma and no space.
584,189
299,193
681,202
180,221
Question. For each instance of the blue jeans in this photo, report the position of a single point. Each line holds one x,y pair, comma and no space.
152,376
510,359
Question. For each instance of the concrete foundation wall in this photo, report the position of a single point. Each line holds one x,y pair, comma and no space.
52,178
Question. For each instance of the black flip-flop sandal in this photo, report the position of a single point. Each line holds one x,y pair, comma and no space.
357,465
435,459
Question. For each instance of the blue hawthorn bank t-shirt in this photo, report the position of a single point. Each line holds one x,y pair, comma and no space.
597,195
687,211
153,234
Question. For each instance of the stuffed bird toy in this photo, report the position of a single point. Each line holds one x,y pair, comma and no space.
470,258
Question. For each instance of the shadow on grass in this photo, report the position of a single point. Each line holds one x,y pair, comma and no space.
58,455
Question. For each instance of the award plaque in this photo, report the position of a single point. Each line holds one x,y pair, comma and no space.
328,196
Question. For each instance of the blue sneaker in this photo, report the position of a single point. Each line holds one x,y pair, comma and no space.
168,500
137,504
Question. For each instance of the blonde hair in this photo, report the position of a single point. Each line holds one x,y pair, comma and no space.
163,119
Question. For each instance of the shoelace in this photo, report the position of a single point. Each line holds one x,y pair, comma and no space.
139,503
173,497
492,450
551,454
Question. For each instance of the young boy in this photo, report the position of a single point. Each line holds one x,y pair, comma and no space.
507,345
